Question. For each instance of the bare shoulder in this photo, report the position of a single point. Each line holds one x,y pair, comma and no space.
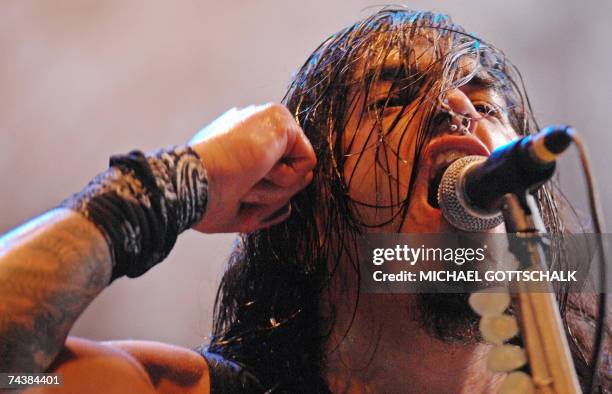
130,366
170,368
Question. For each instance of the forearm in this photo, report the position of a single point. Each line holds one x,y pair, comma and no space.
128,218
50,270
122,223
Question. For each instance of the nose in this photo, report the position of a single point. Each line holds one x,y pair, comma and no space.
462,109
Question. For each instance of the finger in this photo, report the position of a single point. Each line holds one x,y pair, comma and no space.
268,193
277,216
284,175
254,217
231,117
299,153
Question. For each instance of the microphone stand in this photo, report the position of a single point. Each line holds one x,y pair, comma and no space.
550,361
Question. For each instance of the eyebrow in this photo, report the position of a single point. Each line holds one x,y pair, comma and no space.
390,72
483,81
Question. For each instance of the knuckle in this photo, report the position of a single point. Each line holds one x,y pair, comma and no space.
277,200
273,198
308,178
285,181
254,198
279,116
283,200
301,182
277,109
313,157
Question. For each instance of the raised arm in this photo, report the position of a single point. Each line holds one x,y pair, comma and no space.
51,268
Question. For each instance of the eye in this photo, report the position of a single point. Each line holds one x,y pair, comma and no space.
392,100
388,103
487,109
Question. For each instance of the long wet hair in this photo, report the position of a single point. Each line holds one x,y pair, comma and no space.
269,308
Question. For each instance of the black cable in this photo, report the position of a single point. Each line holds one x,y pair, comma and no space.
595,210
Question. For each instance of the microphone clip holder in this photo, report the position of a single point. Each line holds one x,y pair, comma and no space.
550,360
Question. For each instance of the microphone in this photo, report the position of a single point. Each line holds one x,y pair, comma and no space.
472,187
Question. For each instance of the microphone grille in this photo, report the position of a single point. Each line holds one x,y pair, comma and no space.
452,202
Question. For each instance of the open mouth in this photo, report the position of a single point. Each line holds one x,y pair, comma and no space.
440,163
441,153
432,193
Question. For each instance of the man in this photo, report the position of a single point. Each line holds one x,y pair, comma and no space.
381,102
387,103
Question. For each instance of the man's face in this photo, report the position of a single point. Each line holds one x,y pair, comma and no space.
380,145
379,163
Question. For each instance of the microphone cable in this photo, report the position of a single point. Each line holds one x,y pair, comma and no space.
596,214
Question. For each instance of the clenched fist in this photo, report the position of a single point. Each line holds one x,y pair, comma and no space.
256,158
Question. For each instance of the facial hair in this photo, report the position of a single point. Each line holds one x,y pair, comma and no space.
449,318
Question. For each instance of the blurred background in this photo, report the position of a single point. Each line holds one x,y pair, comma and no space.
83,79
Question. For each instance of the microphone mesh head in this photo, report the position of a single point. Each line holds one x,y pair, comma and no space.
454,205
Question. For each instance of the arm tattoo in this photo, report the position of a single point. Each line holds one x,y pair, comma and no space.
126,221
50,270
